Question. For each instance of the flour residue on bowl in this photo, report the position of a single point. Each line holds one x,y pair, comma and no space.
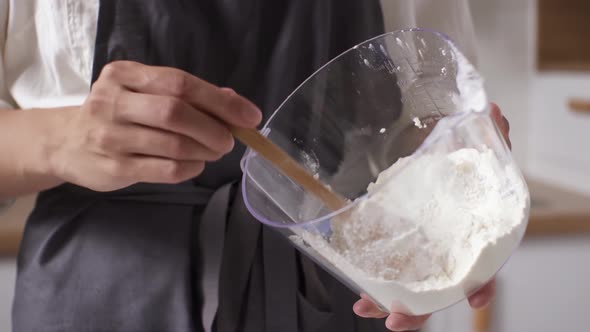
426,222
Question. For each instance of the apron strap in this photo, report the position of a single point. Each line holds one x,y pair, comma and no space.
240,258
280,278
211,240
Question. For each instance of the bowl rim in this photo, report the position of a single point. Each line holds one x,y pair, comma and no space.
430,140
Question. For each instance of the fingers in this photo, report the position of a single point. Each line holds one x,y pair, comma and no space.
151,169
502,123
395,321
149,124
367,309
174,115
157,170
483,296
401,322
219,103
132,140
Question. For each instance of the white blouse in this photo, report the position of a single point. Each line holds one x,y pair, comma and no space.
47,46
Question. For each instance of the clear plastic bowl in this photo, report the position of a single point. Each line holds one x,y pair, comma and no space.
403,94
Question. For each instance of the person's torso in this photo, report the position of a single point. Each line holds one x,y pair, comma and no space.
263,49
152,237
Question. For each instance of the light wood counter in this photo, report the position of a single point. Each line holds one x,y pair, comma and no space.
12,222
557,212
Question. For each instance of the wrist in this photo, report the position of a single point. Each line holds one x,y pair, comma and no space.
41,164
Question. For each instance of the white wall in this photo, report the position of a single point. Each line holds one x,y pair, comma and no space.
504,49
504,30
549,140
543,288
559,150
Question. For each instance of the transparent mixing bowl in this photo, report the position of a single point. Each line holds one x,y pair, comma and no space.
403,94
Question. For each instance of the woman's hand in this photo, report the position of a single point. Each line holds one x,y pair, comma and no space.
400,322
146,124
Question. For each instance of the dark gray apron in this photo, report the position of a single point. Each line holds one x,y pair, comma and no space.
189,257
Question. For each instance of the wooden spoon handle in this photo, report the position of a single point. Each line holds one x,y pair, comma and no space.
288,166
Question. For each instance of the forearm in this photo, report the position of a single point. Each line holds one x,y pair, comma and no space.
27,139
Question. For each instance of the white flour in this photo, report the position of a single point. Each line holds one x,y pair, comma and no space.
418,123
433,227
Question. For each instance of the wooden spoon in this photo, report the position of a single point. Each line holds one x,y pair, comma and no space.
289,167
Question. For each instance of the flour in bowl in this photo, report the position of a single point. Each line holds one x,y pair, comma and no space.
432,228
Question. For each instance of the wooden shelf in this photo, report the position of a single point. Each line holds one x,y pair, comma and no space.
9,242
562,41
579,105
557,212
12,222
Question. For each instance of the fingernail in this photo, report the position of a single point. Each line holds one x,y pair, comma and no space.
391,324
479,303
249,113
361,309
358,308
365,310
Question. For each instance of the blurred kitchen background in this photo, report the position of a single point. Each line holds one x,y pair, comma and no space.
535,56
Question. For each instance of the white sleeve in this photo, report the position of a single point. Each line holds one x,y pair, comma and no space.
452,17
5,99
4,94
